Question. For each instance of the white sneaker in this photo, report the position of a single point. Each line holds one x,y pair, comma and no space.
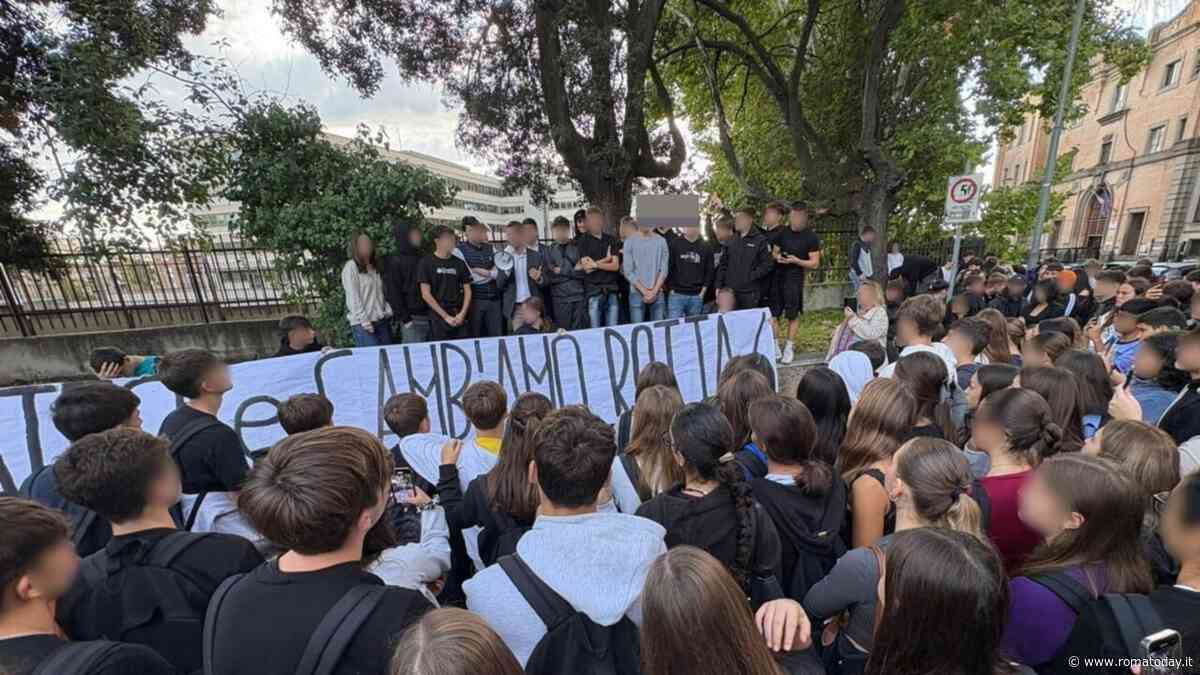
789,354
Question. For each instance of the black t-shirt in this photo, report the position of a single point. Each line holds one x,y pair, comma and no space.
446,278
1179,609
799,244
598,248
273,613
213,460
101,610
22,655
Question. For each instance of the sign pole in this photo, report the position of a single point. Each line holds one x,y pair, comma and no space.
1039,223
957,243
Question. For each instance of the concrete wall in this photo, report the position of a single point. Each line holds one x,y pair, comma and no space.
826,296
57,358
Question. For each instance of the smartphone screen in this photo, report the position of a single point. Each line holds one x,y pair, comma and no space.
403,486
1162,653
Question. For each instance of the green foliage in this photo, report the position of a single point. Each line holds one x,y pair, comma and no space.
304,197
1008,218
76,96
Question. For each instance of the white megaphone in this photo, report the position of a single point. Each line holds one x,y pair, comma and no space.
504,261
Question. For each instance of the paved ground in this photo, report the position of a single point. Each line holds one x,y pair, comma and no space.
789,375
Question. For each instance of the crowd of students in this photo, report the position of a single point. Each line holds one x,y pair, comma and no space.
584,278
997,490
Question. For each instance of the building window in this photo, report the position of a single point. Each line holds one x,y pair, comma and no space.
1196,64
1005,176
1154,142
1118,98
1133,233
1171,74
1181,131
1106,152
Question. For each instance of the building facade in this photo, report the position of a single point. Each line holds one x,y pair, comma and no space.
477,195
1134,182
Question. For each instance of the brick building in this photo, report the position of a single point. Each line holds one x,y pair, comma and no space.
1134,181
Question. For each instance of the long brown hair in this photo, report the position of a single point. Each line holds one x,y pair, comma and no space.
1112,508
787,433
879,422
1058,389
370,263
1149,456
452,641
925,376
649,446
697,620
997,350
509,488
934,578
735,396
939,480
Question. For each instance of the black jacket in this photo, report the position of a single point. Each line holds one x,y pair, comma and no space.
1008,305
567,284
499,532
400,287
1182,418
711,523
808,527
746,262
914,270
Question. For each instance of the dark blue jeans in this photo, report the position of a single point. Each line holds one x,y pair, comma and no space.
381,336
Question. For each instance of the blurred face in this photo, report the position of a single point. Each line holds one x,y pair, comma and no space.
302,336
960,307
1092,445
692,232
974,392
1104,289
445,244
531,234
218,380
798,218
50,576
894,248
906,332
772,217
515,236
595,223
1032,357
1125,323
1043,511
562,234
743,222
166,488
1187,356
958,343
724,234
1047,273
414,237
894,295
529,316
1147,363
477,234
868,236
1064,284
1016,290
1125,293
867,297
363,246
986,435
726,302
978,288
1181,539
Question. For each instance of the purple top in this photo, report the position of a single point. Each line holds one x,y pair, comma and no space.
1038,622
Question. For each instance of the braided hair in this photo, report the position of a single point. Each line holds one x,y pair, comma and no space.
704,438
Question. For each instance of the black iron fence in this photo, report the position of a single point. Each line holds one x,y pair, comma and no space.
181,281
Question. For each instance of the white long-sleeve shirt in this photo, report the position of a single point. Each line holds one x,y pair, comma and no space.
364,295
415,565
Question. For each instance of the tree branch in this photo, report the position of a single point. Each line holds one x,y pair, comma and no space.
567,139
648,167
877,158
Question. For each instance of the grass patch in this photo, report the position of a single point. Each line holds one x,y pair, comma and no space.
816,328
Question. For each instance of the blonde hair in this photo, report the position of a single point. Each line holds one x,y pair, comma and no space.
939,479
652,414
452,641
875,289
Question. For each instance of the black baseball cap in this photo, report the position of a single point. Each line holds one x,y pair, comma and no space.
470,221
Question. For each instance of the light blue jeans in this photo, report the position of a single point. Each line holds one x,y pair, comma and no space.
381,336
680,305
604,310
639,311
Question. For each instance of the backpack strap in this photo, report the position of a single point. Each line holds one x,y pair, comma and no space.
172,546
1063,585
1136,618
337,629
187,433
550,607
26,489
624,431
75,658
634,471
80,525
208,643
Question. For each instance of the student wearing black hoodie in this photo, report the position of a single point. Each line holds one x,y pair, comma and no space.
1011,300
799,492
1182,417
400,286
746,261
713,509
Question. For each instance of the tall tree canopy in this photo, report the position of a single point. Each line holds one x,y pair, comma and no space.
860,103
74,121
547,86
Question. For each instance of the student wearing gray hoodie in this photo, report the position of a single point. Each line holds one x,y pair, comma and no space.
596,561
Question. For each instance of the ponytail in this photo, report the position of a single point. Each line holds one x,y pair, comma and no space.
939,480
964,515
733,479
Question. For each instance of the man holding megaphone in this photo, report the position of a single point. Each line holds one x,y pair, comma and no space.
525,275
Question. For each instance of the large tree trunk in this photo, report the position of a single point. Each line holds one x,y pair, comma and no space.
879,200
613,196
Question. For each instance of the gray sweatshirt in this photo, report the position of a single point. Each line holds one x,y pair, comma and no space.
851,585
596,562
645,259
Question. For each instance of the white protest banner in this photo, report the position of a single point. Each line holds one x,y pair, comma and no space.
596,368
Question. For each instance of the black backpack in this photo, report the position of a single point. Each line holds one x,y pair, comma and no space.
329,640
187,433
82,519
75,658
1112,625
573,643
